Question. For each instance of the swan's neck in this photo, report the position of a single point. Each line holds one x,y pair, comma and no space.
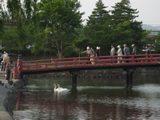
58,86
55,87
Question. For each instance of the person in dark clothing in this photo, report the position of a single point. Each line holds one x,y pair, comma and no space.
98,53
134,50
126,51
148,50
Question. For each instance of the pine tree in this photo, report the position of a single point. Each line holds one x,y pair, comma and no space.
97,27
126,30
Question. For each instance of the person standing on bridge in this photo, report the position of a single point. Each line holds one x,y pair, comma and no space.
134,51
92,55
112,52
148,51
126,51
119,52
98,53
88,53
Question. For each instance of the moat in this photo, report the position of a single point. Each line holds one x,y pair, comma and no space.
92,99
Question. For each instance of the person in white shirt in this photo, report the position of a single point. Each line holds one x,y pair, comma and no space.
112,52
119,52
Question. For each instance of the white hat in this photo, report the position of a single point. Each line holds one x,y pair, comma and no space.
88,47
132,45
97,48
118,46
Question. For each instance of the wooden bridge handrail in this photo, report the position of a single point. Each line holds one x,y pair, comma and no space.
96,61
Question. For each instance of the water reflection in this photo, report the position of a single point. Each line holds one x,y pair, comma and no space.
91,100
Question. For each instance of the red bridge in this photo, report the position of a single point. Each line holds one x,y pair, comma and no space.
86,63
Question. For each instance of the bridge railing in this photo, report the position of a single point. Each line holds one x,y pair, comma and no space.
89,61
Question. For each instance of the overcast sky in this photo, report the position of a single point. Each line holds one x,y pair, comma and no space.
149,10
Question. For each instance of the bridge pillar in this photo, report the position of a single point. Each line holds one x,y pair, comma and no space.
17,68
129,78
74,78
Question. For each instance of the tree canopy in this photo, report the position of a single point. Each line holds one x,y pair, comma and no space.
56,26
118,26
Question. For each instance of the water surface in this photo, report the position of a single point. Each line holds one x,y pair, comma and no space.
93,99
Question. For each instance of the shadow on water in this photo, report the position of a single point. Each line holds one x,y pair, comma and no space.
92,99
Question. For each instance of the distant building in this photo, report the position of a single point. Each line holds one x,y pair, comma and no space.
153,33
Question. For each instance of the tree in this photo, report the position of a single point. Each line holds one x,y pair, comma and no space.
156,43
19,24
97,28
125,28
59,19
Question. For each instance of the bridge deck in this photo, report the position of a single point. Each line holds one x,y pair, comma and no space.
82,63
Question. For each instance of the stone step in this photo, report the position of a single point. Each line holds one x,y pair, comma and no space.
2,75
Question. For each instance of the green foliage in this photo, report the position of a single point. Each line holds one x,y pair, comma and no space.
98,27
157,43
61,17
82,43
119,27
127,29
55,26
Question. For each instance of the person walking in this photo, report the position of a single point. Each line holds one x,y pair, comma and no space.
134,50
148,51
112,52
126,51
92,55
98,53
119,52
88,53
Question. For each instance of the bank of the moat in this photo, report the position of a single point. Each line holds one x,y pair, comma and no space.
8,98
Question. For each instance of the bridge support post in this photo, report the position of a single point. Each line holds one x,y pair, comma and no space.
17,68
74,78
129,78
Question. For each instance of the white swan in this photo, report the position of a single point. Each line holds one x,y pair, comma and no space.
57,88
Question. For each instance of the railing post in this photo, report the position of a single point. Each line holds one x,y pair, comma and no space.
15,72
74,62
55,63
151,57
132,57
95,60
17,68
19,65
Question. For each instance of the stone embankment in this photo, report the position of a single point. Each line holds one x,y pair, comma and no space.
8,96
84,74
99,73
